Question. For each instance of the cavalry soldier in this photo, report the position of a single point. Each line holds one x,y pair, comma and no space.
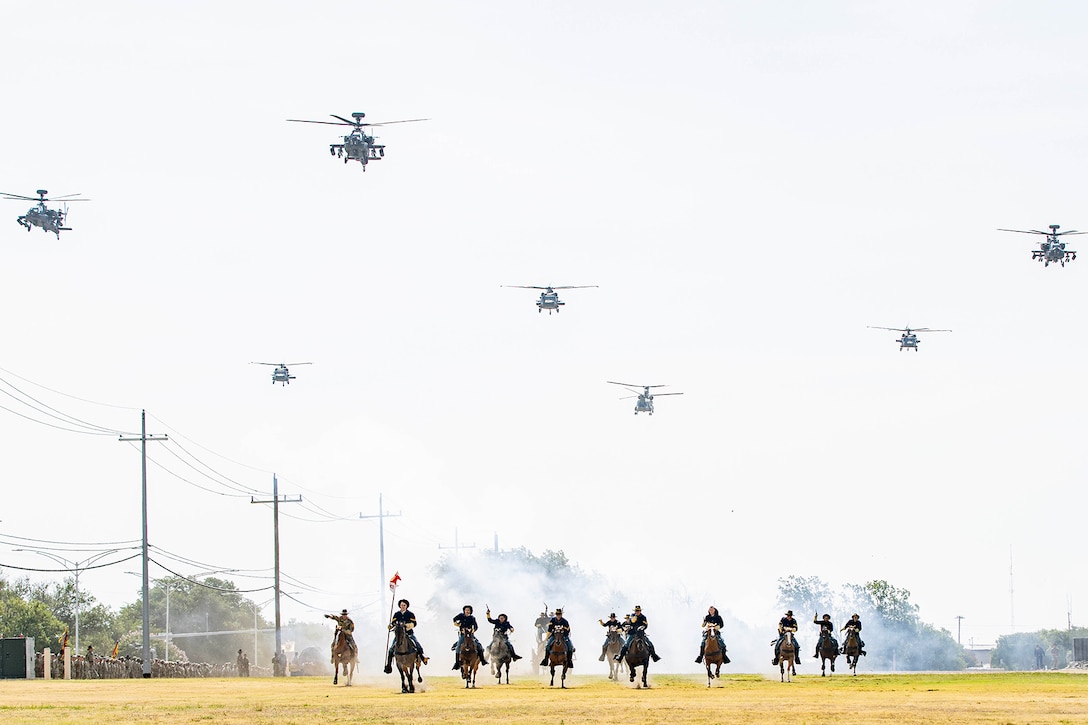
240,665
541,625
635,622
612,624
345,625
827,628
712,618
465,622
404,616
503,626
855,625
558,626
786,624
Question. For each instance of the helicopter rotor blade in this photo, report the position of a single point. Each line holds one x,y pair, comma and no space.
522,286
324,123
353,123
1071,231
926,329
298,363
1023,231
575,286
657,395
19,197
252,362
386,123
893,329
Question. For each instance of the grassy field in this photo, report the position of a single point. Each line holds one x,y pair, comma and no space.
922,698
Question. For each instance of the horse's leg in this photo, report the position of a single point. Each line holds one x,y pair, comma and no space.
563,679
551,683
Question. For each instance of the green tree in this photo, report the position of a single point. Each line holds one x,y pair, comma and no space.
97,625
209,605
23,617
804,594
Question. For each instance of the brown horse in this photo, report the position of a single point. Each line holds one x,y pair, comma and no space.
407,657
713,654
852,645
787,652
343,656
557,656
612,648
828,649
638,655
470,660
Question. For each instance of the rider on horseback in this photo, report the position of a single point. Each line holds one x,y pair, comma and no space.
787,623
541,625
404,616
503,626
559,626
345,625
712,618
827,629
636,622
854,625
612,624
465,622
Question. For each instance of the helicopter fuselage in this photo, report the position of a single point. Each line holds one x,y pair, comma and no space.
1053,250
549,301
908,340
358,147
48,220
644,404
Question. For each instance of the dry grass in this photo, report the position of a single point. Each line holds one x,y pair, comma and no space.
999,698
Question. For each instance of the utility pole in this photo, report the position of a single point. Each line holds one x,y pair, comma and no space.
457,545
144,438
381,516
959,629
275,501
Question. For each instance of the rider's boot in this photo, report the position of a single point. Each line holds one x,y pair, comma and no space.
419,653
456,664
514,656
653,652
604,650
388,663
480,653
699,659
623,651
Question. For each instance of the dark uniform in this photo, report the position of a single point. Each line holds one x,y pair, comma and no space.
465,622
786,623
345,625
827,629
636,622
612,624
558,626
404,616
854,624
714,619
503,626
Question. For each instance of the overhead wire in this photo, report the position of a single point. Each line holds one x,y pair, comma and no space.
66,395
50,411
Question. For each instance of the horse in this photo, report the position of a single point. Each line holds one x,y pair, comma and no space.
343,656
852,645
828,650
713,654
557,655
407,657
612,648
638,655
470,660
787,652
500,655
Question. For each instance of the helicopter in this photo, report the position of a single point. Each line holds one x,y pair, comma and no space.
645,402
549,298
358,145
908,338
281,374
50,220
1051,250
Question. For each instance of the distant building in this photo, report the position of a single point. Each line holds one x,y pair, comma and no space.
981,655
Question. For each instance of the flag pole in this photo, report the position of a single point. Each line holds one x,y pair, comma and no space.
392,603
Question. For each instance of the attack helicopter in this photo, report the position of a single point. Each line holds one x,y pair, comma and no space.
1050,250
908,339
549,298
358,145
50,220
281,374
645,402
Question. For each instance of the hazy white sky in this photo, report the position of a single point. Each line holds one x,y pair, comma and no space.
750,184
